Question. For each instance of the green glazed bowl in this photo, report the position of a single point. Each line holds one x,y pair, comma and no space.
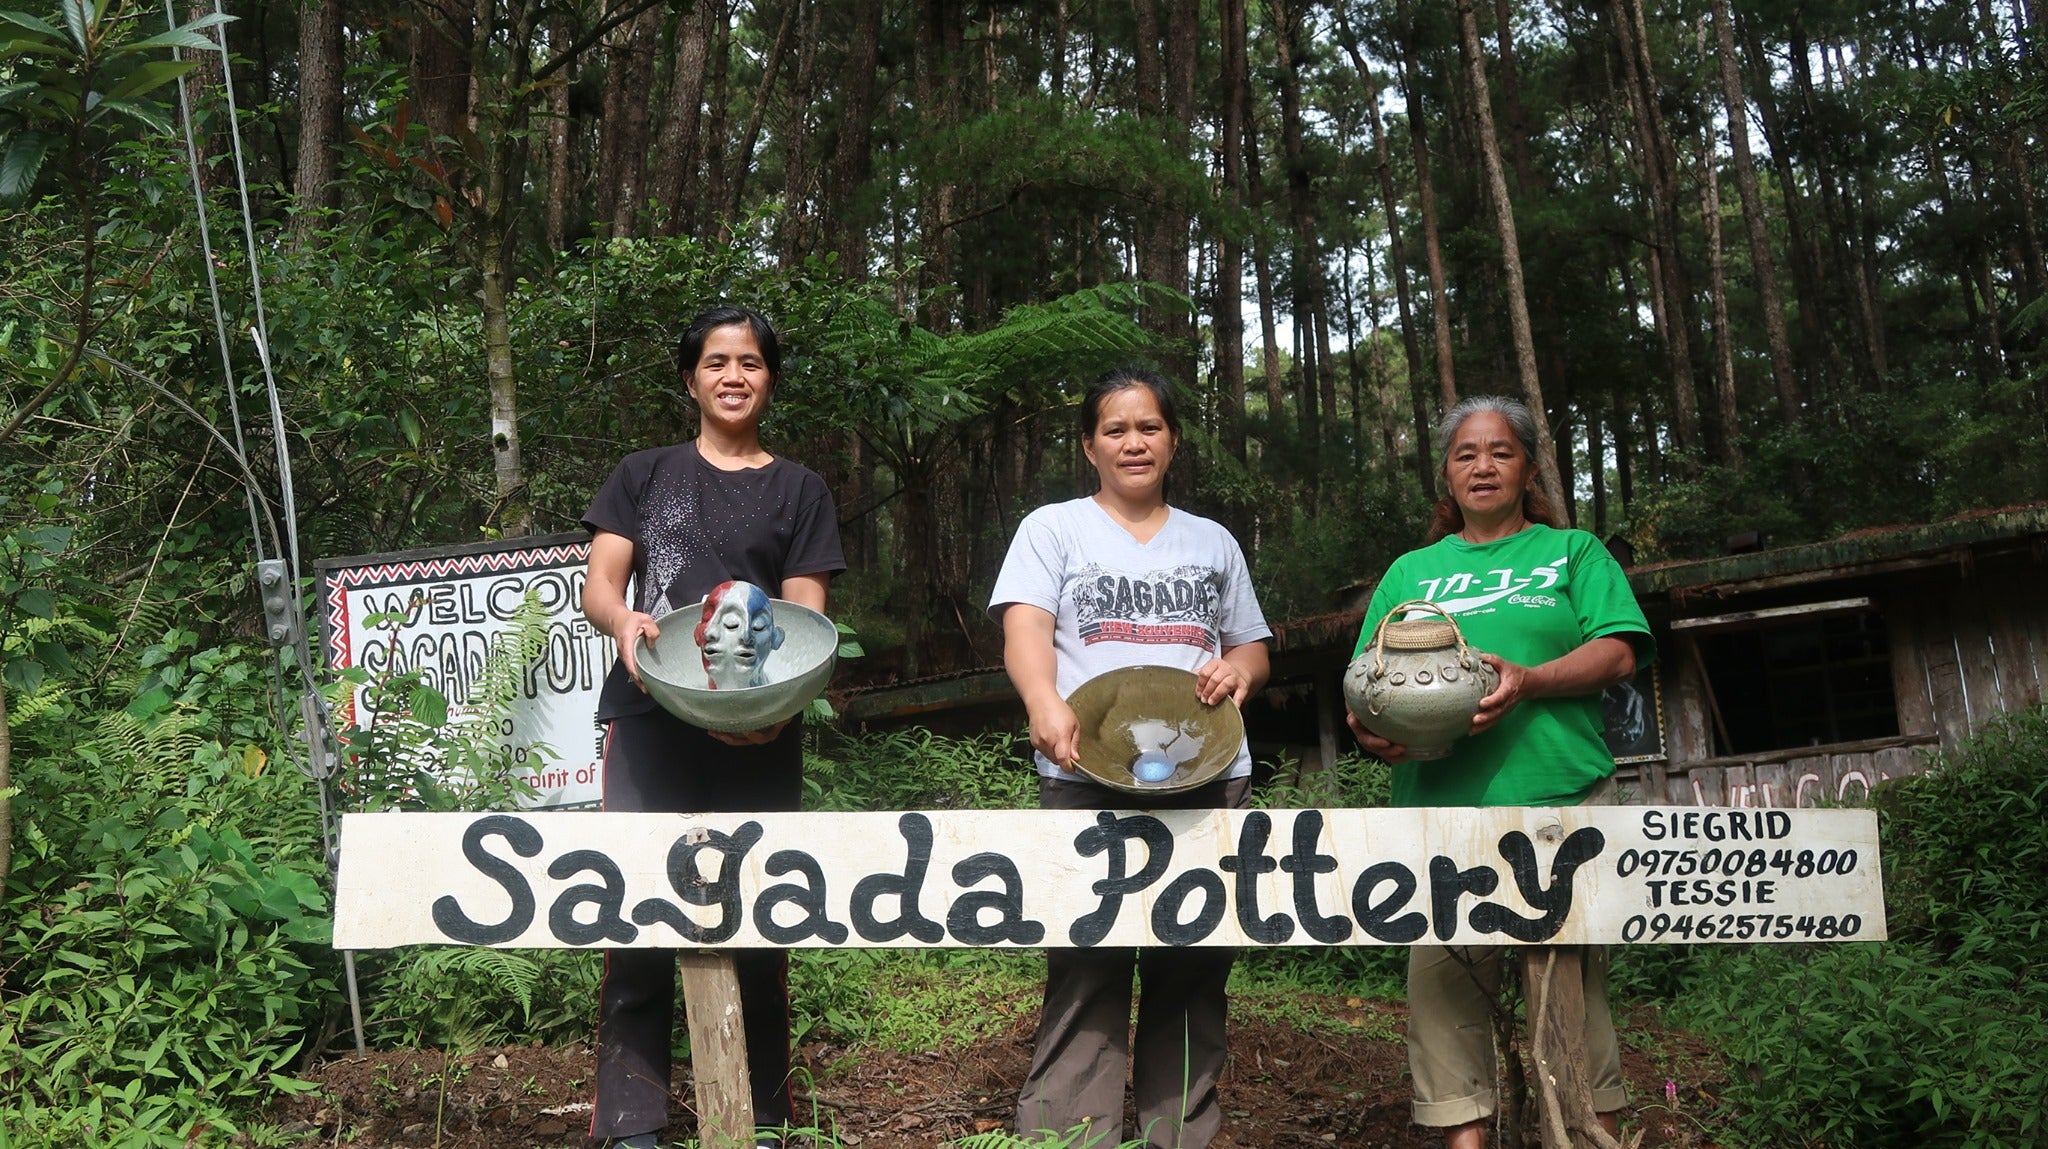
1152,710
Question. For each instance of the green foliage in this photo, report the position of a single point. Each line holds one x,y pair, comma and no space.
1924,1040
1358,781
463,999
75,86
165,926
910,1000
412,747
916,769
29,564
1858,461
1312,550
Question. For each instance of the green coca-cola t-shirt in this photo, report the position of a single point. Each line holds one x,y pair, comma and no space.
1536,595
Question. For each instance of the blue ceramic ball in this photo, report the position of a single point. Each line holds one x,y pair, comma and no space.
1152,766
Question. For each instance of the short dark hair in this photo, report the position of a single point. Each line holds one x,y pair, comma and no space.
1112,381
690,346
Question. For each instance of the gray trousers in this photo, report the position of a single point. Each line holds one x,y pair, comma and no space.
1084,1036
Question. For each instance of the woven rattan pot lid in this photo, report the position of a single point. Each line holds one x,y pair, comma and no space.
1419,634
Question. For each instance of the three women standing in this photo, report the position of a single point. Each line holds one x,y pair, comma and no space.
1095,584
672,524
1554,613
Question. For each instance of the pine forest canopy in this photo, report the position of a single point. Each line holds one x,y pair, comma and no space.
1771,266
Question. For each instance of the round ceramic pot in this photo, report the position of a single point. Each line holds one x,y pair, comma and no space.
1418,683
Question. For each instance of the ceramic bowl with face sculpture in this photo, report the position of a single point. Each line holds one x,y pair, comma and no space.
738,660
1143,731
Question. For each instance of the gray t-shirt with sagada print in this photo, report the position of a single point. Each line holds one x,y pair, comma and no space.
1178,600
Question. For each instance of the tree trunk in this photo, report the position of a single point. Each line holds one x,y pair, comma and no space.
1397,260
679,146
795,238
1624,457
1425,195
1262,275
439,68
1308,291
202,87
557,223
1510,258
1660,186
1717,293
319,117
743,161
6,803
1837,264
850,162
628,77
501,105
1227,315
1165,76
1511,100
1762,262
718,103
1596,465
937,82
1818,348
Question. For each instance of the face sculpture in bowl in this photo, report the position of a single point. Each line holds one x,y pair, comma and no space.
738,660
1143,731
736,634
1418,684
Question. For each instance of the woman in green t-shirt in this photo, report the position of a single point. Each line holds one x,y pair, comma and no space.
1553,612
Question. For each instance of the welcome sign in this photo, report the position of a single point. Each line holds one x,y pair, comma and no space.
1026,878
436,612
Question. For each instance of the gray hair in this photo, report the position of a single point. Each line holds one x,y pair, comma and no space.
1520,420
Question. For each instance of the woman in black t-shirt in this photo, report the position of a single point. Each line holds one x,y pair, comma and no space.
675,522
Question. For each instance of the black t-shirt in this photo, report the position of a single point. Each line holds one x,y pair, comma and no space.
694,526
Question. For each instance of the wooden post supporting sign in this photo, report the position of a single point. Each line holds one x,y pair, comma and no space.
718,1050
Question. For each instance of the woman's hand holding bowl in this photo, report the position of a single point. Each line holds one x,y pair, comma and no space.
635,625
1218,679
750,737
1056,733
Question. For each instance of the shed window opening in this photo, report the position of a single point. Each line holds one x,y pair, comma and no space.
1804,682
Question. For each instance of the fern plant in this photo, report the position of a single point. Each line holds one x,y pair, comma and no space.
413,748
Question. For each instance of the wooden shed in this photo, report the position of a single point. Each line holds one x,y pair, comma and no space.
1810,673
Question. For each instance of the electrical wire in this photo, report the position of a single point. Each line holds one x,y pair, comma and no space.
220,327
316,719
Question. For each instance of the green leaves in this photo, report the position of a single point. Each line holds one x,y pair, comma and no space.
1925,1040
96,74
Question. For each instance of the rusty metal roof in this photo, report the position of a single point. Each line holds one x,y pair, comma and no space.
1865,547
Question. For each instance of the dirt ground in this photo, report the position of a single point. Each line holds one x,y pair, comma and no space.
1283,1089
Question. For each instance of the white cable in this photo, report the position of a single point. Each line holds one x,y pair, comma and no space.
220,323
260,331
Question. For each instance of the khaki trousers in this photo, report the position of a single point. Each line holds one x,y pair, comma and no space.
1450,1025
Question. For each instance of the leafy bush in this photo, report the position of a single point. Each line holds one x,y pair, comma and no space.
463,999
918,770
1929,1039
164,925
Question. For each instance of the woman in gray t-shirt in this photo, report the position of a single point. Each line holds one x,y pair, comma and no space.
1091,585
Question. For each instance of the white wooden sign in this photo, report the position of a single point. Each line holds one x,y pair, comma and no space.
1607,874
437,611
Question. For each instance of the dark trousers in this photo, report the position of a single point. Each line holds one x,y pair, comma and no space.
655,763
1085,1037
